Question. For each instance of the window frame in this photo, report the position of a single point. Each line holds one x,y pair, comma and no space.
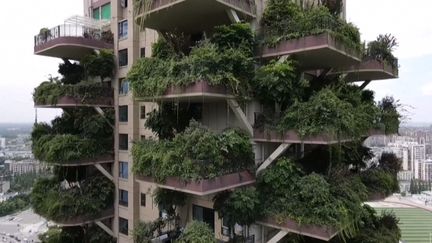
123,30
143,196
124,108
143,115
123,60
123,201
123,174
126,147
123,225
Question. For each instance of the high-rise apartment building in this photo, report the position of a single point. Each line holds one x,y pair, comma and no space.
130,29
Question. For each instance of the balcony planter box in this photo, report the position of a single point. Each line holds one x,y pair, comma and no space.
314,231
315,52
206,186
291,136
69,101
183,14
92,161
82,220
369,70
196,90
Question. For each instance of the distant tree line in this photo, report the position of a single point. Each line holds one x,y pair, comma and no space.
14,204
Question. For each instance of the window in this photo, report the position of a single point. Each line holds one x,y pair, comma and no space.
123,29
225,227
124,86
142,112
123,198
123,170
124,3
123,142
123,226
96,13
106,11
123,57
142,52
143,137
205,215
143,199
123,113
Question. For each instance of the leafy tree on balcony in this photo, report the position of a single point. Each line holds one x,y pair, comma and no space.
197,232
382,49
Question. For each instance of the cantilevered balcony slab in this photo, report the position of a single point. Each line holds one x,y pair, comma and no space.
70,42
194,16
368,70
97,160
70,102
292,137
206,186
314,231
83,220
315,52
194,92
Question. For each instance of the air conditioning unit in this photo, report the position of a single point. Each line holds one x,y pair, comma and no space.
123,3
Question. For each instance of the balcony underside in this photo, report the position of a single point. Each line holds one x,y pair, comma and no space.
70,102
194,16
314,231
98,160
291,136
367,71
196,92
208,186
314,52
83,220
74,48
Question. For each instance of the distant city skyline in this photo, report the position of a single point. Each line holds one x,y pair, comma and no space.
22,70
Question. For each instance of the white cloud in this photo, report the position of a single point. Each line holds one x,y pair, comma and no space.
409,21
427,89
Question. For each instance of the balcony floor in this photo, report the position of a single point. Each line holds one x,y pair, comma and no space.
192,16
83,220
74,48
368,70
71,102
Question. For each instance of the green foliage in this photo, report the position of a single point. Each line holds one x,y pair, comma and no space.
171,118
99,64
14,204
67,148
382,49
377,228
389,114
324,113
237,35
380,182
72,73
284,20
241,206
209,61
49,92
90,234
24,182
169,200
143,232
56,202
163,50
197,232
390,162
194,154
280,83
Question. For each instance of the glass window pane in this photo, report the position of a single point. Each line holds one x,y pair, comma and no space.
106,11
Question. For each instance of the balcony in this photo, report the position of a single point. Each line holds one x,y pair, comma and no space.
74,203
194,162
102,159
182,15
194,92
315,52
205,187
314,231
368,70
55,95
74,39
291,136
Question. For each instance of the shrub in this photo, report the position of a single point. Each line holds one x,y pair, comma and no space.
382,49
197,232
389,114
99,64
194,154
90,234
14,204
56,202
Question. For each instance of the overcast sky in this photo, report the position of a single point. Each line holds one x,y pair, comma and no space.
21,71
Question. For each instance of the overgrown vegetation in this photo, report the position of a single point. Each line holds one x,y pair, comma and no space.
24,182
382,49
58,200
226,59
285,20
88,234
14,204
194,154
197,232
78,80
76,135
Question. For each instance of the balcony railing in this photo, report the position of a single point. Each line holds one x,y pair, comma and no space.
70,30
